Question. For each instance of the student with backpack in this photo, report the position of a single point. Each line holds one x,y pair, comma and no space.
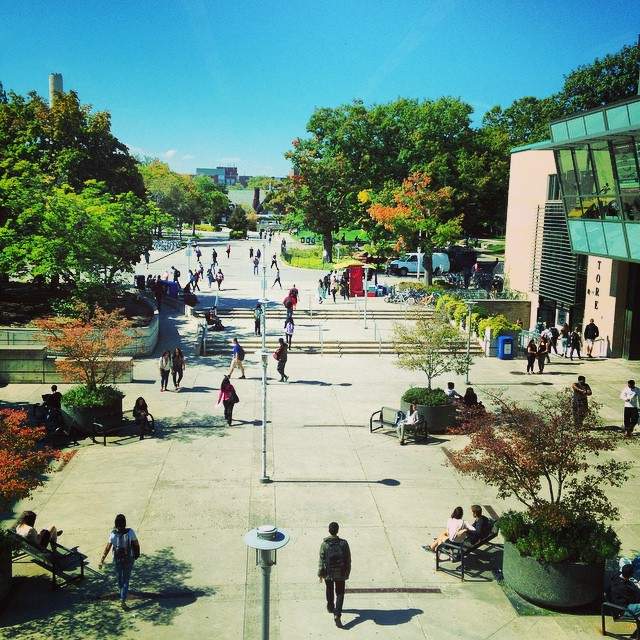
237,358
228,397
126,550
334,567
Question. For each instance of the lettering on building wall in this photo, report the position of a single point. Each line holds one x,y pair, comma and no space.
596,290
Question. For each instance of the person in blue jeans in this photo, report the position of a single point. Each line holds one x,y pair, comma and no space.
625,592
126,549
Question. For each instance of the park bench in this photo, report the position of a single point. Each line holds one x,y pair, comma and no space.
387,417
59,562
460,551
126,423
617,613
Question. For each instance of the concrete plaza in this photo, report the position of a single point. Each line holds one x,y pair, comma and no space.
193,491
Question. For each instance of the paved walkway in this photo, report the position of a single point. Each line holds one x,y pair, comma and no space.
193,491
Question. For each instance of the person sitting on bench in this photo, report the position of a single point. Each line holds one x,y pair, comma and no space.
213,321
481,525
411,419
457,530
141,415
46,537
624,592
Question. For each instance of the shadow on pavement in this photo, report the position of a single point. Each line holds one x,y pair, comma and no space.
190,426
383,617
90,609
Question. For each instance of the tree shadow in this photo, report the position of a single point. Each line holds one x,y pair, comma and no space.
90,609
190,426
382,617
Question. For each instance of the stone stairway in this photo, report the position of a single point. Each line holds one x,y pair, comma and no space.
391,312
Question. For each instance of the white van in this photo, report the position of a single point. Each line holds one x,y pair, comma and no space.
408,264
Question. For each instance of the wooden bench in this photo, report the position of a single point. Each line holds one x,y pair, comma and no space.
460,551
387,417
617,613
59,562
127,421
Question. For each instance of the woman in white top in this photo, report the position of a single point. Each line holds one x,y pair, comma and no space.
165,369
412,418
457,530
126,549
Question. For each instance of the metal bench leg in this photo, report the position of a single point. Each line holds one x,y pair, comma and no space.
462,565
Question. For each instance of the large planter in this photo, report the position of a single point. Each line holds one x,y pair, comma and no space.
109,415
562,585
438,419
5,573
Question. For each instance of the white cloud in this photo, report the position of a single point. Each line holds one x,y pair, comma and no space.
170,153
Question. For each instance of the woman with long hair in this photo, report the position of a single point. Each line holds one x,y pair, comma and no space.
532,351
26,529
280,354
228,397
165,369
177,367
456,531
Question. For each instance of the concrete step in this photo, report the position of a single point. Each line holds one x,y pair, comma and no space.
333,314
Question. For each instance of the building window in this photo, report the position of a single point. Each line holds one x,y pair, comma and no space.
553,187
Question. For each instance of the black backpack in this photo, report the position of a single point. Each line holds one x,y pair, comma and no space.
177,273
240,353
122,553
335,558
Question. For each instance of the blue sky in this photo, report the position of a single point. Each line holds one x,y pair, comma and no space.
201,83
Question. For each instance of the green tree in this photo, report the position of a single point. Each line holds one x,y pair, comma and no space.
212,199
238,219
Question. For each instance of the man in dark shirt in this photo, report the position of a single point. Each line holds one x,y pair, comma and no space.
625,593
481,524
591,333
53,400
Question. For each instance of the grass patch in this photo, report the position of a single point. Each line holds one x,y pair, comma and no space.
306,259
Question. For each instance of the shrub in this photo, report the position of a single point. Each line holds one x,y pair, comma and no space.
498,325
424,396
417,285
237,235
443,300
460,312
82,396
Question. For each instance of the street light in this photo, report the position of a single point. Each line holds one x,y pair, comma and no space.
470,304
366,280
264,355
266,540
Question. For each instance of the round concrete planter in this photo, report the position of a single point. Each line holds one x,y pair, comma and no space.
563,585
109,415
5,573
437,419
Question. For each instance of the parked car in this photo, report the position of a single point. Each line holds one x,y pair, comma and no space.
408,264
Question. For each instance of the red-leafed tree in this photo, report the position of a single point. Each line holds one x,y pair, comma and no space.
22,463
90,345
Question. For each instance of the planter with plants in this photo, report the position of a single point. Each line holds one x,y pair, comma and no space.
556,546
434,347
432,405
90,344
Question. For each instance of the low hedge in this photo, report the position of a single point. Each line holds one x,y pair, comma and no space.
426,397
237,235
417,285
82,396
498,324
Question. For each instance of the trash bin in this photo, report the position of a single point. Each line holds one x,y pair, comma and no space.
505,347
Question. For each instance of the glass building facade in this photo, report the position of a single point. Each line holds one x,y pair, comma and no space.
597,158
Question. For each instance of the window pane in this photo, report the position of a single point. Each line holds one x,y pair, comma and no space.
617,117
595,237
559,131
614,234
595,122
553,188
576,128
609,208
586,183
631,205
578,236
567,174
591,208
604,169
624,154
633,237
573,207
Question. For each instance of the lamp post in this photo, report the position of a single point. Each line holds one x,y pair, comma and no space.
266,540
264,355
470,304
366,279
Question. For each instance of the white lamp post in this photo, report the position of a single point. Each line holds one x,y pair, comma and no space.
264,355
266,540
366,279
470,304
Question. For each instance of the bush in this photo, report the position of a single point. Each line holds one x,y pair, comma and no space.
424,396
416,285
237,235
443,300
498,325
559,536
460,312
207,227
82,396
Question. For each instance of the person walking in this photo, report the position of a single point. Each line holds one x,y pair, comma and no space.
256,264
293,294
343,290
258,254
543,350
274,261
237,358
257,319
334,288
165,369
214,258
176,275
177,367
250,253
321,293
565,339
228,250
126,550
334,567
158,293
532,351
579,404
289,328
280,354
277,280
575,342
288,305
630,396
591,333
228,397
219,279
546,335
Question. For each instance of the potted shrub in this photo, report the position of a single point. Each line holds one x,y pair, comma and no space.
434,347
23,463
556,546
90,344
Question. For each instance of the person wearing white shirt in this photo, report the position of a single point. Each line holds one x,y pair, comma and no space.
451,392
630,396
457,530
412,418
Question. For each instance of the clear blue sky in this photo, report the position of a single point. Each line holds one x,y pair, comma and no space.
201,83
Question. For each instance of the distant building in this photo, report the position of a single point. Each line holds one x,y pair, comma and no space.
244,180
220,175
